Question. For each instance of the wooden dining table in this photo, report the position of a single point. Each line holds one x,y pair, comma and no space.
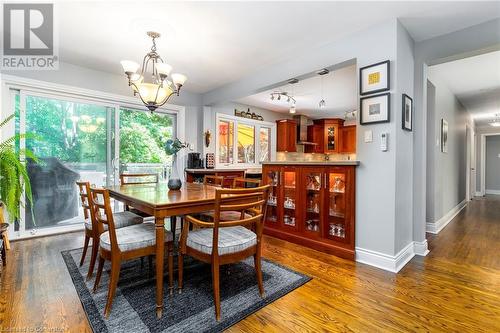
158,201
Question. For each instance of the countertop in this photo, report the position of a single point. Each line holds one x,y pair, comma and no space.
247,171
353,162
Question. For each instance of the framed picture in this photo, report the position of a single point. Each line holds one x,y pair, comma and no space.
407,113
375,109
374,78
444,136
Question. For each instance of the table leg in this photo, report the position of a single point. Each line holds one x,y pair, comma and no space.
160,251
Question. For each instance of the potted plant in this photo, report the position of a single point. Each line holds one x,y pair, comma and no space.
172,147
14,180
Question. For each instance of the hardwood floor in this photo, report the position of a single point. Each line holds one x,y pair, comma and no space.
456,288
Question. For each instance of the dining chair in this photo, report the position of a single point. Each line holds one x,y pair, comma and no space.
117,245
213,180
234,241
241,182
122,219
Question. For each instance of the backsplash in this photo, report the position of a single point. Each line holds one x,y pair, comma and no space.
282,156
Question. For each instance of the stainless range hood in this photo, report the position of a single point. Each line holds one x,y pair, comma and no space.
302,123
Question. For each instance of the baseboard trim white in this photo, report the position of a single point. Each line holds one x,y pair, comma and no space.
497,192
478,194
385,261
436,227
421,248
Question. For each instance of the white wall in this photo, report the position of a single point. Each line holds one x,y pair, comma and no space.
492,164
448,188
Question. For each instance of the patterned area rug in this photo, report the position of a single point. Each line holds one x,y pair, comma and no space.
193,310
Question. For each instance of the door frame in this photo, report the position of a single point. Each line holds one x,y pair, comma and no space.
483,161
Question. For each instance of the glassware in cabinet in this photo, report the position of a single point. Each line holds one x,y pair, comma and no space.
289,184
272,178
336,222
313,184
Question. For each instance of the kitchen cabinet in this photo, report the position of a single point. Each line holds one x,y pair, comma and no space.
315,133
312,206
286,135
348,139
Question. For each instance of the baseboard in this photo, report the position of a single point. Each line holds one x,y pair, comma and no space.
478,194
421,248
497,192
436,227
385,261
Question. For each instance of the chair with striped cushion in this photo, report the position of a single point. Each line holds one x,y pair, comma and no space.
122,219
234,241
117,245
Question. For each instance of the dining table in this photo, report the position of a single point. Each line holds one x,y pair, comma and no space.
158,201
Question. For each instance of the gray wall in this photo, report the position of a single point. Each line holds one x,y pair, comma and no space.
403,142
479,132
473,40
376,205
448,188
493,163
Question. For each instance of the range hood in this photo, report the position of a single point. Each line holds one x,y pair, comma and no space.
302,123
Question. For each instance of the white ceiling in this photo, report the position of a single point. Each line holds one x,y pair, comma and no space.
476,83
215,43
339,93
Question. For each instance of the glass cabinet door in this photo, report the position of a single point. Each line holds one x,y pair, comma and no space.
289,184
336,205
271,177
313,187
331,134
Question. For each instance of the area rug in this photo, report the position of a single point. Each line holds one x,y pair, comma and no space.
192,310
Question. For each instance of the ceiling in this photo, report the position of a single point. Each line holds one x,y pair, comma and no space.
476,83
339,93
215,43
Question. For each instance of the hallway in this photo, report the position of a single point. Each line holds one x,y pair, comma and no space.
454,289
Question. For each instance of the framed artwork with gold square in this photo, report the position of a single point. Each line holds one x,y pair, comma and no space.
374,78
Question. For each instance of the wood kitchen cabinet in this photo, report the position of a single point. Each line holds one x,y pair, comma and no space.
329,136
348,139
286,135
312,206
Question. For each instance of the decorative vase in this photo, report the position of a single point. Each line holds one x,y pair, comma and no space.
174,181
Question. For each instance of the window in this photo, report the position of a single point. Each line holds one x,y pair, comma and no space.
226,129
246,143
265,144
249,139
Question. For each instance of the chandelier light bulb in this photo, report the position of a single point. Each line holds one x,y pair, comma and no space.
163,68
129,67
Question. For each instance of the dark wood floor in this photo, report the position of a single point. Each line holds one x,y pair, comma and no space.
456,288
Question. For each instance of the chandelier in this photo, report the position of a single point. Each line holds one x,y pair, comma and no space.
156,91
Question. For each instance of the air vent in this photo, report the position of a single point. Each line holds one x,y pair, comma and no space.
293,81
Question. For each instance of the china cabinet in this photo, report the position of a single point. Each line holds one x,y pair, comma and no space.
312,205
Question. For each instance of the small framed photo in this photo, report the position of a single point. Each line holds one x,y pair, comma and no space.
375,109
374,78
444,136
407,113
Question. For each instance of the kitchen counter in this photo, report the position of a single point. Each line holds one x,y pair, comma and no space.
312,163
215,170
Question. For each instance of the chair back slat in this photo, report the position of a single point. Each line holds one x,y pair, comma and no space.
138,178
103,213
84,190
241,182
251,200
213,180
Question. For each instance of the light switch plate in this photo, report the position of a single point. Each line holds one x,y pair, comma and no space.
368,136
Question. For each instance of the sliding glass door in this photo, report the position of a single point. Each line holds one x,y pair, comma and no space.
72,141
78,139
